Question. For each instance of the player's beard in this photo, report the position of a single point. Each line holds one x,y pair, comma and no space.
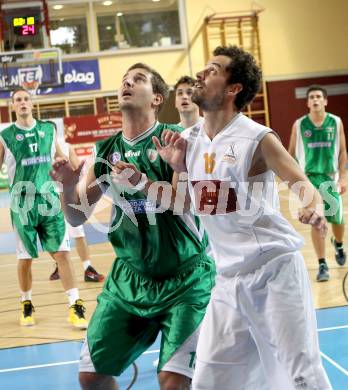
208,104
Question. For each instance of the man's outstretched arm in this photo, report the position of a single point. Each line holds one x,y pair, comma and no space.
80,193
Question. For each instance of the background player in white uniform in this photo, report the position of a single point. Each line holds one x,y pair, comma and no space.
319,145
78,232
188,111
28,147
261,310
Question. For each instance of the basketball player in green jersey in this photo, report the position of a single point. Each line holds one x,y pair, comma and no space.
28,147
318,143
162,278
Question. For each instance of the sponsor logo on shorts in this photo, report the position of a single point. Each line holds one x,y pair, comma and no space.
114,157
152,154
19,137
307,133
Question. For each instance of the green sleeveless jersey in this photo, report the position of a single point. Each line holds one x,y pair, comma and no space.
317,148
153,243
29,155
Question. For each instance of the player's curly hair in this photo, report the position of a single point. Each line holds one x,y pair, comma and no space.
158,84
242,69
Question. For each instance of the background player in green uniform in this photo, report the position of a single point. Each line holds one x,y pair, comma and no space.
28,147
319,145
162,278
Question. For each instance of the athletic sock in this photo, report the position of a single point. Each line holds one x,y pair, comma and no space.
86,264
73,295
25,295
322,261
339,247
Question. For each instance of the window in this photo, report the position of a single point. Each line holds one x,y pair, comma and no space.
136,27
70,35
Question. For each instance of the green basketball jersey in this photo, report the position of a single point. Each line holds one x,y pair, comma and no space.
317,148
29,155
154,243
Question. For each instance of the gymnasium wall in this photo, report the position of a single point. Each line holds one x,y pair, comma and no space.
297,38
284,107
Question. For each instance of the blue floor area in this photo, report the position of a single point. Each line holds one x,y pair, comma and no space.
54,366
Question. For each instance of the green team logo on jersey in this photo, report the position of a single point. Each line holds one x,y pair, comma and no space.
152,154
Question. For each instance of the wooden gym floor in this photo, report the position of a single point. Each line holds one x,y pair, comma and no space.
51,303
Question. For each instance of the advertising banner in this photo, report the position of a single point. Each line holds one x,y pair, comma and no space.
77,76
91,128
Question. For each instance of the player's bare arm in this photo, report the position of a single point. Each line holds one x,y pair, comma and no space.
79,195
276,158
292,143
2,154
59,153
74,160
342,161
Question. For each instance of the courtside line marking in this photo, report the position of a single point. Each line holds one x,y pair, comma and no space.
333,328
57,364
345,372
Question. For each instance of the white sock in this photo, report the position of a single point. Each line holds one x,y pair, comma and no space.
25,295
73,295
86,264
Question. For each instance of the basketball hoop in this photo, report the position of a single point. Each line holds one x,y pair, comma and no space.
31,86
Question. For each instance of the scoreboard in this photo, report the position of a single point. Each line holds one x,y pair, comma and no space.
25,25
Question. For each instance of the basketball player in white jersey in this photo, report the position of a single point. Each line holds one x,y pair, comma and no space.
261,311
78,232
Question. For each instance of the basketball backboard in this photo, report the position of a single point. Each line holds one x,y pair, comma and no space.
39,67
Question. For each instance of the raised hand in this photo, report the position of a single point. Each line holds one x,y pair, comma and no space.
311,217
63,173
173,150
125,174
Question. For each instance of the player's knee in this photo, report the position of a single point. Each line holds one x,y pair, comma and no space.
25,264
173,381
94,381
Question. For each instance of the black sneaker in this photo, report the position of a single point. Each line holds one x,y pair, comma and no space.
340,253
91,275
323,273
55,275
27,318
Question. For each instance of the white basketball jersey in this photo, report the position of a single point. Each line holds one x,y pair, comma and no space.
240,214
